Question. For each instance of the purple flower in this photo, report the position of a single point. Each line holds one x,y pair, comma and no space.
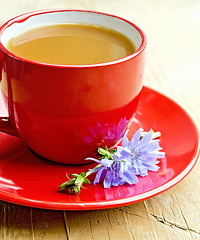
134,157
115,172
141,153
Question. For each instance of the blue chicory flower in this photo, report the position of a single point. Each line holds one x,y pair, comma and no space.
134,158
115,172
142,153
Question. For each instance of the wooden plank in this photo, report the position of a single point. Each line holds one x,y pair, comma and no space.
97,225
24,223
48,225
166,218
16,222
2,220
137,220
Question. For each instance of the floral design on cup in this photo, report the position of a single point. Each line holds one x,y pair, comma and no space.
107,134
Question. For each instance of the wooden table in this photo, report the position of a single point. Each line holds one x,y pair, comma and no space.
173,68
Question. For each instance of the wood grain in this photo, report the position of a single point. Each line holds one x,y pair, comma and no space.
173,68
48,225
95,224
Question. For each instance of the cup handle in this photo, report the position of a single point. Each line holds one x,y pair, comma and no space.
5,123
6,126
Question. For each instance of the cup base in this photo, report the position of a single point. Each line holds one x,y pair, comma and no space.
53,162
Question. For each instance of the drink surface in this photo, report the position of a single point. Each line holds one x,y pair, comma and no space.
71,44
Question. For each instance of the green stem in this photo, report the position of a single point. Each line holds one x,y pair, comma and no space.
93,169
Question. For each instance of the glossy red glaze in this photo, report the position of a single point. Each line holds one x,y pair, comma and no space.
38,185
58,109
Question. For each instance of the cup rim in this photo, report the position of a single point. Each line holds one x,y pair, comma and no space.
25,16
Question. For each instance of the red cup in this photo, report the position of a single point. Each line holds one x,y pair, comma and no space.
65,112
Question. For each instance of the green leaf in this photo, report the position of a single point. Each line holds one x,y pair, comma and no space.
71,181
102,151
74,190
113,150
63,186
67,176
85,180
105,153
79,181
82,174
74,175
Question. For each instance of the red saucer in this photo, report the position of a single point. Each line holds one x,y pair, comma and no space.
29,180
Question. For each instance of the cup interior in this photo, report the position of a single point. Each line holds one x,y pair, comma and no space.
24,23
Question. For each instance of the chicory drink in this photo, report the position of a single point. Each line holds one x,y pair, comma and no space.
71,44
